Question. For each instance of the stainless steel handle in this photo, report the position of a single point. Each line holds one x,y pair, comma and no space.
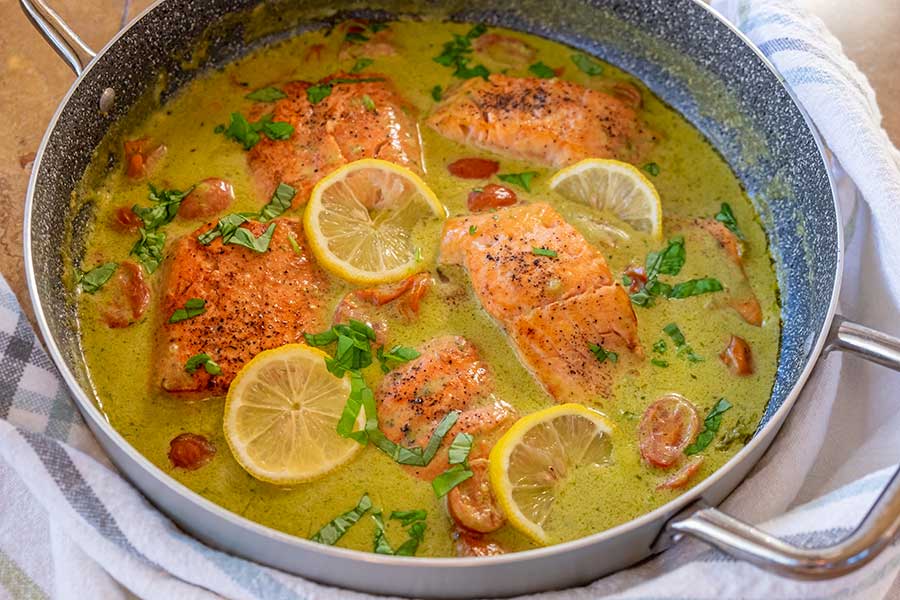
61,37
874,533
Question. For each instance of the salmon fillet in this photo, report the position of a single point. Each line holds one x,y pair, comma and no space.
548,121
553,308
339,129
254,302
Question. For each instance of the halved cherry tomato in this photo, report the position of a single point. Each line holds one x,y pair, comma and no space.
474,544
191,451
128,296
492,196
505,49
383,294
472,504
140,158
737,356
638,278
413,299
666,428
473,168
209,198
125,221
681,477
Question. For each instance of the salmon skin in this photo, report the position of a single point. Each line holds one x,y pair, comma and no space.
554,308
547,121
254,302
362,117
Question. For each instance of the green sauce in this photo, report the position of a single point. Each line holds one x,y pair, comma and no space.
693,181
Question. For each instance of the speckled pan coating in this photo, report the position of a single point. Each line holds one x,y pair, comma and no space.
677,47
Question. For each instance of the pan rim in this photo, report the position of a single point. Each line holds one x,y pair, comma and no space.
662,514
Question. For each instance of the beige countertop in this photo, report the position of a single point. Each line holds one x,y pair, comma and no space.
34,80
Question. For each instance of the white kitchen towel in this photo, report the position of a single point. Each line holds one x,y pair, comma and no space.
71,527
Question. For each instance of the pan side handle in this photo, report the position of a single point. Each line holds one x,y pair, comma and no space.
58,34
876,531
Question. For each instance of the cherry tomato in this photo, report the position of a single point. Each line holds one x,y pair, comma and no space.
492,196
209,198
638,278
737,356
125,221
140,157
473,168
191,451
472,504
749,309
666,428
128,296
681,477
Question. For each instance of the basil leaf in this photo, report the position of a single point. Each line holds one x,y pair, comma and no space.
91,281
194,307
673,331
445,425
541,70
381,544
244,237
337,527
361,398
317,93
266,94
727,218
360,64
464,71
416,534
436,92
652,168
408,517
659,362
294,245
353,349
587,65
278,203
396,355
368,103
225,228
449,479
710,427
456,53
277,130
667,261
603,355
660,347
695,287
472,229
202,360
149,249
163,211
523,180
460,448
544,252
240,130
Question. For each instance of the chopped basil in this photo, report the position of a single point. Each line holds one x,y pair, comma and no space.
278,203
353,350
667,261
266,94
376,27
356,37
277,130
246,133
544,252
413,520
681,346
244,237
436,92
381,544
337,527
659,362
710,427
163,211
294,245
317,93
202,360
149,249
449,479
460,448
219,129
472,229
408,517
225,229
652,168
194,307
727,218
396,355
360,64
541,70
96,278
368,103
695,287
456,53
523,180
587,65
660,347
603,355
416,534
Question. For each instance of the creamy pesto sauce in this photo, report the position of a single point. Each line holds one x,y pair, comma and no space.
692,182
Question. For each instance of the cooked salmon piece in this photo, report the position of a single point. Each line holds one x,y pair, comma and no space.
341,128
547,121
254,302
552,307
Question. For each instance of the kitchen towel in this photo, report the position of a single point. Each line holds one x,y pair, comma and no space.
71,527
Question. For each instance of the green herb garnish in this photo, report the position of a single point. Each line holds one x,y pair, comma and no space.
202,360
602,355
194,307
413,520
652,168
449,479
356,37
436,92
545,252
246,133
460,448
91,281
667,261
360,64
294,245
660,347
523,180
472,229
659,362
395,356
681,346
727,218
381,544
266,94
166,203
244,237
353,346
710,427
149,249
337,527
368,103
278,203
541,70
225,228
695,287
456,53
587,65
317,93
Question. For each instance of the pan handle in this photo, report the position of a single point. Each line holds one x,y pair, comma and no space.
874,533
58,34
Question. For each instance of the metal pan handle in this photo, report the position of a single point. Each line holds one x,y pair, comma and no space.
874,533
59,35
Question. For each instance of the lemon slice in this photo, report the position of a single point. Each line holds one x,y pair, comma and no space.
531,463
360,221
614,186
281,416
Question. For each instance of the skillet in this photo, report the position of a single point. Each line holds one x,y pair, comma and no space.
689,57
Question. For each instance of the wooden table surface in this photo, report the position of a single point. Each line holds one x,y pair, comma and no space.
35,79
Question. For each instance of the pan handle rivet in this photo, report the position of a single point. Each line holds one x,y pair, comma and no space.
107,100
